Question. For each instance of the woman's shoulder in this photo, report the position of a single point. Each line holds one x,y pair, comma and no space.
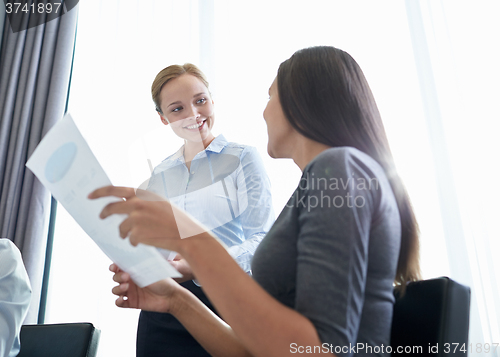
234,145
169,161
343,153
346,163
239,149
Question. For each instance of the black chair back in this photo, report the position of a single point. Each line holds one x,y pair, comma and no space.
59,340
433,315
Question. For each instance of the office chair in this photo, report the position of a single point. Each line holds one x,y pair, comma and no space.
432,315
59,340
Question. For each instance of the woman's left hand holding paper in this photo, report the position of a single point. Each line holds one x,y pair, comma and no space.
159,296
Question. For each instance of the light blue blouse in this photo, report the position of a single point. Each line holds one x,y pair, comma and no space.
226,189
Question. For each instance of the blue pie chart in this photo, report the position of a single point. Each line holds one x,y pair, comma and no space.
60,162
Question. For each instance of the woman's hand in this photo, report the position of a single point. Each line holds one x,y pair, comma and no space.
159,296
151,219
182,267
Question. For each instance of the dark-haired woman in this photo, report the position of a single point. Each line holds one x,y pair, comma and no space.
323,276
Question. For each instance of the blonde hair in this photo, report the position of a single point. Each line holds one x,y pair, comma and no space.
172,72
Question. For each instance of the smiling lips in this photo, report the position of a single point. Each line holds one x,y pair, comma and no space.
196,126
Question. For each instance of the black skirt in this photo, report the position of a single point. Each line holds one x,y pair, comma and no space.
162,335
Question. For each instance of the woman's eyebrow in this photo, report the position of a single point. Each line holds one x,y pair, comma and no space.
199,94
178,102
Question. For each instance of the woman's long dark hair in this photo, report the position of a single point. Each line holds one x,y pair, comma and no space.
325,96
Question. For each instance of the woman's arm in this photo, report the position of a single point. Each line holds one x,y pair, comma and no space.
216,336
264,326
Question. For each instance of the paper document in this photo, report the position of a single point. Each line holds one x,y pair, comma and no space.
66,166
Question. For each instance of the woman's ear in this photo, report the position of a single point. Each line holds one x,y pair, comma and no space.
163,120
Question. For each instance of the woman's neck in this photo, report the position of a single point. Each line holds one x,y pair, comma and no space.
306,150
192,148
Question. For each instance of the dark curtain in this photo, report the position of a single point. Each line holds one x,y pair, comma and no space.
35,68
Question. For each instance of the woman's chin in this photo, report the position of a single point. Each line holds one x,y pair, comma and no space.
199,137
276,153
270,152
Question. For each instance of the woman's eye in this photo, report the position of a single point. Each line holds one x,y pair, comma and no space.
201,101
178,109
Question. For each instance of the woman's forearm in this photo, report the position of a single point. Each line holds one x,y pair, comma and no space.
263,325
206,327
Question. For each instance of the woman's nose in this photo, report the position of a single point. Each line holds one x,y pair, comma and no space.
193,113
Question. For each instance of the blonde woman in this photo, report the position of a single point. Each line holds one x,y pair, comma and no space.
221,184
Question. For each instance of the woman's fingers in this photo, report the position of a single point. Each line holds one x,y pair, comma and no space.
121,289
178,257
125,192
114,268
134,237
121,192
119,207
125,227
151,219
122,302
121,277
148,195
